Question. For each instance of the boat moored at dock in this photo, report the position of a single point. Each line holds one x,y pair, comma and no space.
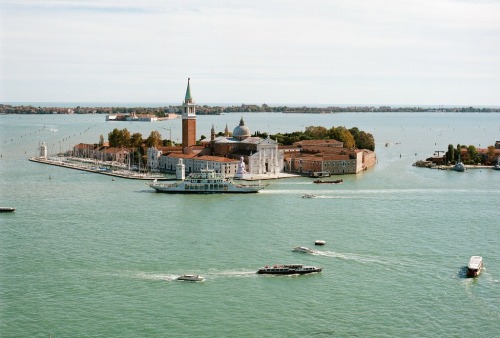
288,269
475,266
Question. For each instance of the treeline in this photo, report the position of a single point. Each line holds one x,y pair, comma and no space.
248,108
123,138
352,138
469,155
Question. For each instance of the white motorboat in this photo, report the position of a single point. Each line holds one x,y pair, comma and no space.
302,249
319,242
309,196
191,278
205,182
288,269
475,266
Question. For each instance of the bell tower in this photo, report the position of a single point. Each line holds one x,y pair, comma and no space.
188,120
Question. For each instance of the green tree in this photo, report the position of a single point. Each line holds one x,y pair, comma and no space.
136,140
364,140
450,154
343,135
316,133
154,139
473,154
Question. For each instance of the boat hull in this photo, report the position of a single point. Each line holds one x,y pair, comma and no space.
183,191
7,209
290,272
293,269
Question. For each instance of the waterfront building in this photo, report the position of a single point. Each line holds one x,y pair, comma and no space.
327,156
223,153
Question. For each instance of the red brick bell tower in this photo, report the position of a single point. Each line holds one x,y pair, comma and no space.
188,121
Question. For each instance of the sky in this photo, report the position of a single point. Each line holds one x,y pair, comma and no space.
324,52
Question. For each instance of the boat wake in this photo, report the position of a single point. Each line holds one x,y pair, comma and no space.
156,276
363,259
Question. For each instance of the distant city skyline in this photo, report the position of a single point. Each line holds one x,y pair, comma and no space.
324,52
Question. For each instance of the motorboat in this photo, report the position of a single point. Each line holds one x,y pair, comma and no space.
475,266
497,166
207,181
7,209
459,166
319,242
191,278
309,196
302,249
288,269
332,182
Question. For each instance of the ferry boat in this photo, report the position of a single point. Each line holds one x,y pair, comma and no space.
302,249
191,278
205,182
475,266
288,269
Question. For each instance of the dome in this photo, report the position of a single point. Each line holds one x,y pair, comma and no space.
241,132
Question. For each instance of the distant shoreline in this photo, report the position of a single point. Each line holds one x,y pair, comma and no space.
161,110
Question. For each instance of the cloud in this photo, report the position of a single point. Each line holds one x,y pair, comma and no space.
255,51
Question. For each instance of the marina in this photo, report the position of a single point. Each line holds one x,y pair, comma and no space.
121,173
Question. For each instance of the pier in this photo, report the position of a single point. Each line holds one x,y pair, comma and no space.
97,170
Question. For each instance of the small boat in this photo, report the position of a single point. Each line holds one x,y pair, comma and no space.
475,266
288,269
191,278
497,166
7,209
302,249
334,182
309,196
459,166
319,242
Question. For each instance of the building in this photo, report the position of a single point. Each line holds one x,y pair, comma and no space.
315,156
188,121
224,153
245,156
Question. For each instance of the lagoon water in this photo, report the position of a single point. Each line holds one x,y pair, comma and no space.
86,256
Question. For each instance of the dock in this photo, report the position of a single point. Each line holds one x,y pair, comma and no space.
97,170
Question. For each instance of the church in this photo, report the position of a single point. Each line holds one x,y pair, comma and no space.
238,154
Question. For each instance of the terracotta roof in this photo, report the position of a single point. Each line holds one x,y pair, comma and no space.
217,159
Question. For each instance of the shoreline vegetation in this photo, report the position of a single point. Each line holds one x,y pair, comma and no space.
244,108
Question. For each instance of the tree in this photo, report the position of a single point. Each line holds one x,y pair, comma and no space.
136,140
450,155
472,152
316,133
101,140
364,141
343,135
154,139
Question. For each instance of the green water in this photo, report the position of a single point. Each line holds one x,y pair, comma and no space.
87,256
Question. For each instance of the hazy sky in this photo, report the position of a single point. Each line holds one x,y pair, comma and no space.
422,52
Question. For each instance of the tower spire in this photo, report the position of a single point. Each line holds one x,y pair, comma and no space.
188,97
